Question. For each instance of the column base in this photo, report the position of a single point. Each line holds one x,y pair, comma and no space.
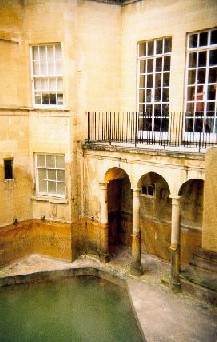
174,285
136,269
104,258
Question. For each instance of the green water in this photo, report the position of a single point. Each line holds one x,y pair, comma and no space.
74,309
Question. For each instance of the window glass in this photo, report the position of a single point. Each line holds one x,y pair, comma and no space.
200,102
47,75
50,171
154,84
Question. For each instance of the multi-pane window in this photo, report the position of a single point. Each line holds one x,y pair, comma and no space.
50,174
47,75
200,104
154,78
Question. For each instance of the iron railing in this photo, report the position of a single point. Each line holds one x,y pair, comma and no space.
142,128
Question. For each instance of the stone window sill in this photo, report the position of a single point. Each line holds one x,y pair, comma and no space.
54,200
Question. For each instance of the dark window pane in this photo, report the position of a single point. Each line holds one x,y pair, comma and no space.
157,80
148,124
37,99
45,99
198,125
165,95
190,93
157,124
149,109
141,107
142,82
166,79
212,75
210,107
200,92
142,96
213,57
150,65
192,60
150,48
213,39
211,94
201,73
159,47
168,45
190,108
164,124
142,66
191,76
8,166
202,59
199,108
209,124
203,39
157,110
167,63
148,95
53,99
142,49
215,125
165,110
157,96
150,81
193,40
158,64
189,125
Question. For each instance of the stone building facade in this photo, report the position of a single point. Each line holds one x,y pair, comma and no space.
65,192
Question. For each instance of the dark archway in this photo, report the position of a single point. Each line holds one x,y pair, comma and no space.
120,211
191,193
155,215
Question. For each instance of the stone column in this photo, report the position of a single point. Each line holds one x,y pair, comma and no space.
175,244
104,248
136,266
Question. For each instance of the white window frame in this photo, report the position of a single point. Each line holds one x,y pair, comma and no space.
46,169
142,91
47,75
196,109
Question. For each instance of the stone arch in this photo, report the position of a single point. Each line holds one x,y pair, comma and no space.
120,210
155,215
191,193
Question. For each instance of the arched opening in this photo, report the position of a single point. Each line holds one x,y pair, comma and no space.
191,193
155,215
119,210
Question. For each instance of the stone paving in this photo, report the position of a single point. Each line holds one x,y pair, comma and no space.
162,315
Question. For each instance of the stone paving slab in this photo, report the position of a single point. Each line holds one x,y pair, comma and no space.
162,315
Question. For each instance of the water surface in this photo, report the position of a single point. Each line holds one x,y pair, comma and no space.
83,309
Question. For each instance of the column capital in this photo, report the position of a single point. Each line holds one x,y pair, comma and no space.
175,197
103,186
136,191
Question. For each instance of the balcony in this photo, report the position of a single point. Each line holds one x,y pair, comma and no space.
172,132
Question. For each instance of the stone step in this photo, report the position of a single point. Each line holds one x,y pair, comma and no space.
199,292
200,277
206,255
205,260
204,265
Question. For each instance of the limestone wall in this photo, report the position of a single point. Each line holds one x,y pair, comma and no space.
209,232
15,199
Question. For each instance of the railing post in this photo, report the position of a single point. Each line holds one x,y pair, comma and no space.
110,127
136,128
88,127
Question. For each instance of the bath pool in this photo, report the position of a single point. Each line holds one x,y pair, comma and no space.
83,308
